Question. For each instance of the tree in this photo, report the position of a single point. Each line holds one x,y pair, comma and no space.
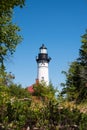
6,5
83,58
73,82
76,77
17,91
44,92
83,72
83,50
14,106
9,37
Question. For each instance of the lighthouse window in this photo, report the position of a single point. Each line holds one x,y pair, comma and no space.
42,78
43,63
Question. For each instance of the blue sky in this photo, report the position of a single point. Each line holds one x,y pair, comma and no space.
58,24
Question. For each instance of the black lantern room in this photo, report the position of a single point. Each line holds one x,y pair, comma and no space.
43,55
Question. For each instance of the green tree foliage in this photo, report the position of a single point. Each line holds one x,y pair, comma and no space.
9,37
7,5
76,77
6,78
18,91
83,50
17,112
73,82
83,58
43,91
54,117
13,108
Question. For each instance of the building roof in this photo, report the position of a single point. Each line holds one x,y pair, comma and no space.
30,89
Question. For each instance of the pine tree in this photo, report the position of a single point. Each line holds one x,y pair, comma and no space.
76,77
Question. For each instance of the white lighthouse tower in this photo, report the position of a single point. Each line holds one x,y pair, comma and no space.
42,65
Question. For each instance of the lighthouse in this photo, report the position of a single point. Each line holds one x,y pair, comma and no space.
43,65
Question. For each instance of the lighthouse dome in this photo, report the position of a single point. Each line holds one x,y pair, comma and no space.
43,47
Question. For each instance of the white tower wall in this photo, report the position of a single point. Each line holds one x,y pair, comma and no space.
43,73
